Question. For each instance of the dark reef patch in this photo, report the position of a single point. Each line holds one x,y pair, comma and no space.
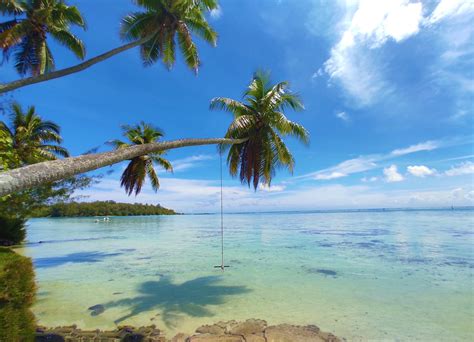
323,271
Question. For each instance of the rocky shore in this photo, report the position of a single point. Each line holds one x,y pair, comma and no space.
251,330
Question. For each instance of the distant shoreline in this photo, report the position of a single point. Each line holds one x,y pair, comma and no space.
318,211
329,211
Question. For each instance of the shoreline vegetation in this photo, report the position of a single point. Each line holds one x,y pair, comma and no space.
101,208
17,294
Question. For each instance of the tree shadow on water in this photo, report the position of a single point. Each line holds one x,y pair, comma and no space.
81,257
173,300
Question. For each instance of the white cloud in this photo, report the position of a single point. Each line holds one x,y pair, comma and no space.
194,195
343,116
216,13
466,168
420,171
372,24
328,176
424,146
272,188
366,25
190,162
367,179
450,8
345,168
369,162
392,175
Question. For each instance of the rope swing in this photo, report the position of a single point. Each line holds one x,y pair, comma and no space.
222,266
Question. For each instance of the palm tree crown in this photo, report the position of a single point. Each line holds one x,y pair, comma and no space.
260,118
26,34
29,139
133,177
168,21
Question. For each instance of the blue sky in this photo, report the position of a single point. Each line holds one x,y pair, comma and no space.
387,85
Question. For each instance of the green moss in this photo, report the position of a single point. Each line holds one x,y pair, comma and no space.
17,293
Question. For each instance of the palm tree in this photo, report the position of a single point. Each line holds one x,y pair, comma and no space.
255,136
157,30
177,18
50,171
261,120
29,139
133,177
26,34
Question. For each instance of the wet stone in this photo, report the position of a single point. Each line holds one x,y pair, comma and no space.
249,327
180,338
216,338
211,329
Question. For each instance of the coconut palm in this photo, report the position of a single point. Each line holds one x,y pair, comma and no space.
261,120
29,139
178,19
26,34
255,135
133,177
158,29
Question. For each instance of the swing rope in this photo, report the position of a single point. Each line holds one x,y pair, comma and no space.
222,266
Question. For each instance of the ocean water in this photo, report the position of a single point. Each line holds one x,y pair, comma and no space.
401,275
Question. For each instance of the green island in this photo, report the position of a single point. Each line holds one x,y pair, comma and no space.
100,208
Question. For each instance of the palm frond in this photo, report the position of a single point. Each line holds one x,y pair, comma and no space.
11,7
202,29
164,163
188,48
150,171
70,41
229,105
57,150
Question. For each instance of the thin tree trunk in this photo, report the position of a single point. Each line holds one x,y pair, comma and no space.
71,70
50,171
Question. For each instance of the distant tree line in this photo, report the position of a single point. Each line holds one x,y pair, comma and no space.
100,208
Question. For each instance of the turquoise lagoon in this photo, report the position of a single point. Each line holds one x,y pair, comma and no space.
387,275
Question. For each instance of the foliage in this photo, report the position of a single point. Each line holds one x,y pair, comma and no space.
12,229
168,21
27,32
29,139
138,168
101,208
260,118
23,203
17,292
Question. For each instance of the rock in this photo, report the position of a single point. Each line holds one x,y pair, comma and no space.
216,338
293,333
214,329
134,338
255,338
49,338
328,337
65,329
180,338
249,327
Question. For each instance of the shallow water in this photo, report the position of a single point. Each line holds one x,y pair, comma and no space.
404,275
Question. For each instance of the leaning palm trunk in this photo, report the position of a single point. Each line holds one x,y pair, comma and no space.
34,175
71,70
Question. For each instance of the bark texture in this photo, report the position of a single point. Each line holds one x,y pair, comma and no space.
33,175
71,70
